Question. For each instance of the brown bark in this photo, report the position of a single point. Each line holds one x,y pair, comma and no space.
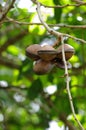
6,9
63,118
13,40
4,61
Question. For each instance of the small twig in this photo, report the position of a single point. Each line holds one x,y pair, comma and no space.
67,86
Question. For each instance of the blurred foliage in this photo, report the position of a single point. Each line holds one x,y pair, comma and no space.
25,103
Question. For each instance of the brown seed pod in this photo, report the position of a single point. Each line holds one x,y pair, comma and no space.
42,67
62,66
47,53
31,51
68,49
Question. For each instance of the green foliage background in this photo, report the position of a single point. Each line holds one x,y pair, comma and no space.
24,103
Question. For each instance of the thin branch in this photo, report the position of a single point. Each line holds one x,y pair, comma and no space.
8,28
61,6
69,26
12,40
44,24
6,9
78,1
75,38
9,86
8,63
51,31
52,25
68,87
61,117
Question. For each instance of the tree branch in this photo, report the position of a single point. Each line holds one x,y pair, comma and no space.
51,25
63,118
12,40
8,63
6,9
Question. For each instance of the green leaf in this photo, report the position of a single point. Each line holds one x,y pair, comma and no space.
35,89
46,2
13,50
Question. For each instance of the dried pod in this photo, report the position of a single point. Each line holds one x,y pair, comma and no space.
62,66
42,67
68,49
47,53
31,51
